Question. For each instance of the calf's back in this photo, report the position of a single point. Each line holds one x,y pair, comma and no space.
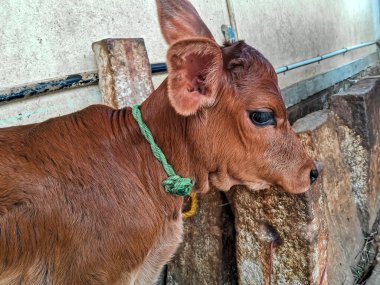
72,200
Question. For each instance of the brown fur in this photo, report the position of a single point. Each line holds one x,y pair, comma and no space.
81,200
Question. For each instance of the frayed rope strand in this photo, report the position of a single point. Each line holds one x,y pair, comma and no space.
174,184
193,207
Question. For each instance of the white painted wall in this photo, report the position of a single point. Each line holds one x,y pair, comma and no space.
40,108
294,30
376,17
42,39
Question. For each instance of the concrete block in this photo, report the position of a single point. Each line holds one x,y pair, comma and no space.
204,256
124,71
357,119
281,238
374,279
316,236
317,131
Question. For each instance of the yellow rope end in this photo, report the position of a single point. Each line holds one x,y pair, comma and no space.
193,208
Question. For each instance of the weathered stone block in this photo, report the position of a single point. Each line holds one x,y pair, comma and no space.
281,238
357,119
204,256
318,133
124,71
300,223
374,279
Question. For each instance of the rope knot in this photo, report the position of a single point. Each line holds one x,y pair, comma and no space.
174,184
178,185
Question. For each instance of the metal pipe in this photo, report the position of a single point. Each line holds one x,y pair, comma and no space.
334,53
304,62
30,90
360,46
56,84
91,78
232,18
320,58
158,67
281,69
228,33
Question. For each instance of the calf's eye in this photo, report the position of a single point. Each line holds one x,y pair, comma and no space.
262,118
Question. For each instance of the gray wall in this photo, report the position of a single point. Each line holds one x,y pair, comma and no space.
294,30
43,39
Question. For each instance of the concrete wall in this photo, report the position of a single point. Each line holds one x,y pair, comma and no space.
376,17
46,39
290,31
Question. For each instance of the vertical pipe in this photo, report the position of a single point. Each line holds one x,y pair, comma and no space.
231,15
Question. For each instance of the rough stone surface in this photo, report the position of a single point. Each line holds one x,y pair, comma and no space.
375,277
345,235
294,223
319,101
357,117
201,258
124,71
299,255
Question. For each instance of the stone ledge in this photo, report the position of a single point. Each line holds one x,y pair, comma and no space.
317,130
357,120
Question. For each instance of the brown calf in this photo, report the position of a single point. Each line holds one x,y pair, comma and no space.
81,200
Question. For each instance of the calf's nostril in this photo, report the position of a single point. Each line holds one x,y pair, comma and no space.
313,175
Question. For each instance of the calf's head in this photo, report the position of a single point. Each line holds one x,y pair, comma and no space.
230,96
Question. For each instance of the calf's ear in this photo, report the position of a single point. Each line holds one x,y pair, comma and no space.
195,69
179,20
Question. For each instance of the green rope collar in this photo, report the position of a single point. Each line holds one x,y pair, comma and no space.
174,184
